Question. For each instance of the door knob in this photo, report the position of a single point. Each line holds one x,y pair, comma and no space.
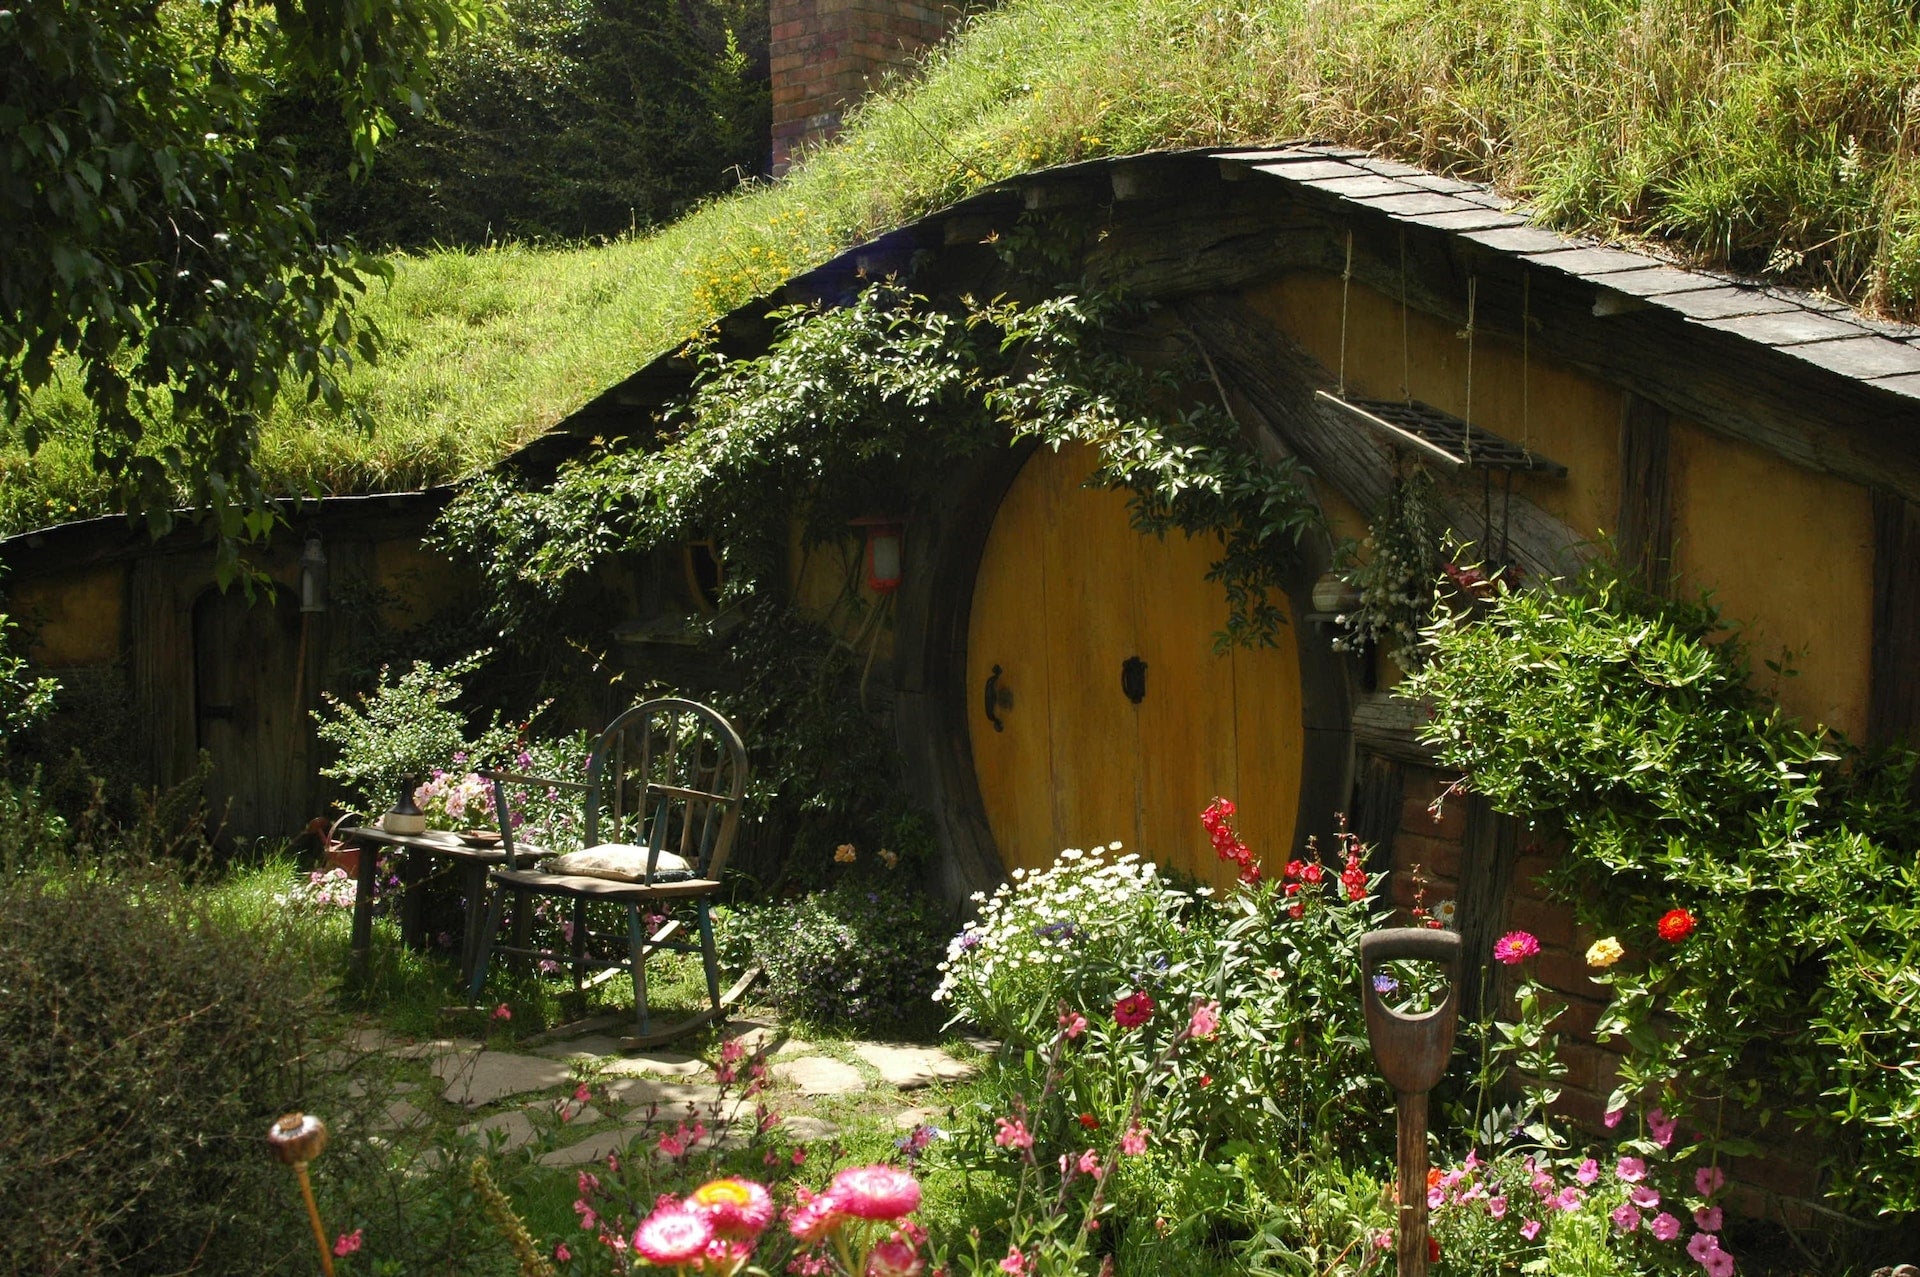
997,699
1133,679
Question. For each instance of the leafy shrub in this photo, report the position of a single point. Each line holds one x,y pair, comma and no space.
25,698
859,954
1627,724
407,726
144,1048
1084,932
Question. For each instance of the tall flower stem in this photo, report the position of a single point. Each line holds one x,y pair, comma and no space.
313,1217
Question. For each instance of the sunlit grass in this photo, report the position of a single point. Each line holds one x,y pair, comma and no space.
1765,136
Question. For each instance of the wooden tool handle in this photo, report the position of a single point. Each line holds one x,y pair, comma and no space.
1411,1155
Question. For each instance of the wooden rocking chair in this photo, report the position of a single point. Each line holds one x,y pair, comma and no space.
660,807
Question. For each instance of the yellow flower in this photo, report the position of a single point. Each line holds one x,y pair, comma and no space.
888,858
1604,953
843,854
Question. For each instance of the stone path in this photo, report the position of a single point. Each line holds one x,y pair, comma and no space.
532,1091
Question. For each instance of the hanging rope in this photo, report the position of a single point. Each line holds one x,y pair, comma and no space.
1406,360
1473,298
1346,279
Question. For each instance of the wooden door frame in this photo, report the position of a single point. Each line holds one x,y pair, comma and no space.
932,701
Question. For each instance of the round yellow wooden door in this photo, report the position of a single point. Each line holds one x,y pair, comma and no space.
1099,710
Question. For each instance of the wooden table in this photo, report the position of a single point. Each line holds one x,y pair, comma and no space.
469,861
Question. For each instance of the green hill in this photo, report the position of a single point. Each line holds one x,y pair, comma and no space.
1768,136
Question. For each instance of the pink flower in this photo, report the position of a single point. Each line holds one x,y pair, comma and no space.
1436,1197
1709,1180
1072,1025
1133,1010
1612,1117
582,1093
1589,1171
1631,1169
502,1012
673,1235
1497,1206
347,1243
1568,1199
875,1192
1013,1133
815,1217
1661,1126
1702,1245
1625,1217
895,1257
1664,1227
1134,1142
1708,1218
1089,1163
1530,1229
738,1209
1015,1264
1719,1264
1515,947
1206,1020
1643,1195
560,1253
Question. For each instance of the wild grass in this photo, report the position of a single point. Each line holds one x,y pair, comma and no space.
1773,136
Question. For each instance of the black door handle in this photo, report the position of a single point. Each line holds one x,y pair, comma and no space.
997,699
1133,679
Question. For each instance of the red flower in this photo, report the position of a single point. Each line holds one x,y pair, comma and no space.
1133,1010
1676,925
1089,1121
1433,1251
1295,910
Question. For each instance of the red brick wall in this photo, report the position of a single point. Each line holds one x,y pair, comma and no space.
1777,1184
823,53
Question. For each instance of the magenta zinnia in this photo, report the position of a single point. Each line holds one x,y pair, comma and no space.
1133,1010
874,1192
1515,947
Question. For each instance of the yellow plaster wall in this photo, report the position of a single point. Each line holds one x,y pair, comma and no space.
1790,553
1559,413
1786,550
422,583
74,620
817,579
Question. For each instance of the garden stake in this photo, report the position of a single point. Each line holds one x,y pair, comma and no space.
1412,1052
297,1139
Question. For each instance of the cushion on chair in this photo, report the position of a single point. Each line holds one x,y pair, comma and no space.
621,862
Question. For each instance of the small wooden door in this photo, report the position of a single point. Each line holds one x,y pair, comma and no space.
1067,594
250,711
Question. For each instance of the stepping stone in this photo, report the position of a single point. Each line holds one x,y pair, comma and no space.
358,1087
569,1111
755,1035
818,1075
594,1148
908,1067
592,1046
367,1041
908,1119
399,1115
985,1046
515,1127
486,1076
670,1096
434,1048
808,1130
658,1063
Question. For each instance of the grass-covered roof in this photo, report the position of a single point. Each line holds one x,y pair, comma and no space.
1771,137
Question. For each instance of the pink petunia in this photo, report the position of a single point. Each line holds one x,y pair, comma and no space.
1700,1245
1708,1218
1530,1229
1612,1117
1661,1127
1630,1169
1644,1195
1625,1217
1568,1199
1664,1227
1709,1180
1497,1206
1589,1171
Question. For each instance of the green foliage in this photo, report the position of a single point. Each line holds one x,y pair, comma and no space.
1394,570
163,253
866,407
859,955
1627,725
407,726
564,119
145,1046
25,698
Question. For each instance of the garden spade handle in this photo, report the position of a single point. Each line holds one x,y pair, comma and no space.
1412,1052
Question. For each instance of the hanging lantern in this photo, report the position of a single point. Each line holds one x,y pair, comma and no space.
313,576
884,538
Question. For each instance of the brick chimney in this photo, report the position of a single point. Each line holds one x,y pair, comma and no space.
823,53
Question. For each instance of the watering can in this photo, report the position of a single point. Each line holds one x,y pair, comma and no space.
1412,1052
